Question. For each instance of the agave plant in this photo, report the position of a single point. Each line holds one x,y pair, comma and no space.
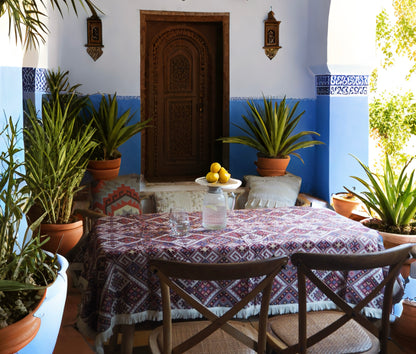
24,267
269,130
391,200
112,130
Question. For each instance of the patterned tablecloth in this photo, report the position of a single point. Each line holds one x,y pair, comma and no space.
122,290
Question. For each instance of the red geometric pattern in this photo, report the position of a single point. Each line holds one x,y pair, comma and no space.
120,196
121,288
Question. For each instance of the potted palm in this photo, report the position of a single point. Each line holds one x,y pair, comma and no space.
391,203
28,275
270,131
112,130
56,157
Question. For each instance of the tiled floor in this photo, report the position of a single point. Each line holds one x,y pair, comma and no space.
70,341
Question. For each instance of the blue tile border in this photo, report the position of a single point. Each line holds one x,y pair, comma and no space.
341,85
34,80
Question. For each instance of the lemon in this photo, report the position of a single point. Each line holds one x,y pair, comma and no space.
224,176
215,167
212,177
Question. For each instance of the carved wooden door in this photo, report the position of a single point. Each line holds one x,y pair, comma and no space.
183,94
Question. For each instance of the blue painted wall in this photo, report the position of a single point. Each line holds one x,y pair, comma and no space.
131,150
339,113
349,131
241,157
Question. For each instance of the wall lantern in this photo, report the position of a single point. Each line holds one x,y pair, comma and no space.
271,36
95,35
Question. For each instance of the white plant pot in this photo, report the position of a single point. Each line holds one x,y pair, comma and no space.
50,314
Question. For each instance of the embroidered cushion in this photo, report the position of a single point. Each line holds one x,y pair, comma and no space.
272,192
188,200
119,196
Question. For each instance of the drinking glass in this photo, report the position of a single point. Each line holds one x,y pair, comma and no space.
179,222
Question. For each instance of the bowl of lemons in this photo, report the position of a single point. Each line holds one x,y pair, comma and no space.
218,176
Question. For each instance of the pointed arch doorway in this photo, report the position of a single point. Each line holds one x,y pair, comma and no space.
185,90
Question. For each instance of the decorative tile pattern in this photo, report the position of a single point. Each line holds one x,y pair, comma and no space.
341,85
34,79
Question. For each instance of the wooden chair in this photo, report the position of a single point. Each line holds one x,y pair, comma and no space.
294,333
199,336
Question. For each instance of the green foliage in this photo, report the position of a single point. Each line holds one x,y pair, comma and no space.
27,18
384,38
23,265
393,121
57,155
269,130
112,130
392,199
397,36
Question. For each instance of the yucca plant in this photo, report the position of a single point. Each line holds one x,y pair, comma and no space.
388,198
24,267
112,129
269,130
57,155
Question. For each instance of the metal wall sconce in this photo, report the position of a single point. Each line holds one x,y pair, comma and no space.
95,36
271,36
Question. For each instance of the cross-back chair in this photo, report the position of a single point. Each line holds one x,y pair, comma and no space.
216,334
333,331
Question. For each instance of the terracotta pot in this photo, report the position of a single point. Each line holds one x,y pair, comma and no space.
271,166
50,313
405,325
391,240
63,237
17,335
344,206
104,169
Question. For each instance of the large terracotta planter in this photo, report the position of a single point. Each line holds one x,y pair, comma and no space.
17,335
391,240
63,237
271,166
50,314
104,169
343,205
38,331
405,325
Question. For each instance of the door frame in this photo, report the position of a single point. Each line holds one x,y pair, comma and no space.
176,16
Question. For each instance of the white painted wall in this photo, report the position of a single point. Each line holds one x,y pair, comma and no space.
251,72
351,36
311,42
11,53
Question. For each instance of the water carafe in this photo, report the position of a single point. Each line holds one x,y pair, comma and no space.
214,209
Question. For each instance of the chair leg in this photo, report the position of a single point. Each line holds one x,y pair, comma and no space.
127,339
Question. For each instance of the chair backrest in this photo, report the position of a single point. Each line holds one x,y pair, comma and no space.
169,271
392,258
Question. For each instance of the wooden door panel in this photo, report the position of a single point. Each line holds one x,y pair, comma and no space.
183,93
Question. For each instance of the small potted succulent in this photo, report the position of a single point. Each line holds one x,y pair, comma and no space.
112,130
270,130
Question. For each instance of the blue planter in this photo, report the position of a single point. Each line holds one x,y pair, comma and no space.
50,314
